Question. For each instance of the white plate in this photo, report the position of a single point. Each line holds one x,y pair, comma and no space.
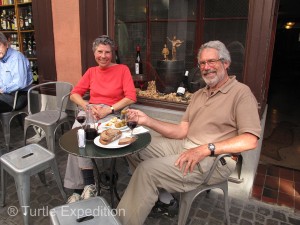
102,127
120,128
114,144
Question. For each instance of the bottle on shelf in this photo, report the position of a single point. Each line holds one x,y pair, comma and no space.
3,20
29,16
183,85
24,46
26,24
138,61
118,61
21,21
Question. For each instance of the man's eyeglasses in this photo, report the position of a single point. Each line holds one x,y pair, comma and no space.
210,62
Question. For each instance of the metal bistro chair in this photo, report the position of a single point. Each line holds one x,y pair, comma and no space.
92,211
187,198
21,164
7,117
40,112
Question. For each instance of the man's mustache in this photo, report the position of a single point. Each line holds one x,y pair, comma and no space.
208,71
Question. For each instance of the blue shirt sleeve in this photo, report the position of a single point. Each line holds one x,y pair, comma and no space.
15,72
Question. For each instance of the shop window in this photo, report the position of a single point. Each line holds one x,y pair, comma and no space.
155,24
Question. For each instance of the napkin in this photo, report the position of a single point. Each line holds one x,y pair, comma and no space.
140,130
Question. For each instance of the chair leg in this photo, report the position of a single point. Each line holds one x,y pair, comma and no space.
50,139
42,176
55,170
226,204
25,133
6,131
23,189
3,186
186,200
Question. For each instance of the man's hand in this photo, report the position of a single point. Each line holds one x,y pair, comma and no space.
142,117
190,158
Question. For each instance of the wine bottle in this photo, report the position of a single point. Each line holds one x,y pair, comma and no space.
29,15
118,61
183,85
138,61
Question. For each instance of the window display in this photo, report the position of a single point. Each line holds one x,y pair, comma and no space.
169,34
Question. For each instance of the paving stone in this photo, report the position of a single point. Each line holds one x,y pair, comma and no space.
260,218
257,223
218,214
235,210
247,215
263,211
250,207
245,222
294,221
201,214
280,216
271,222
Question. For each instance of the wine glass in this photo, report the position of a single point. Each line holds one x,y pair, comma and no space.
131,122
80,116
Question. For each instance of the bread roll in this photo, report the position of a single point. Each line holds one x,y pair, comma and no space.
109,136
126,140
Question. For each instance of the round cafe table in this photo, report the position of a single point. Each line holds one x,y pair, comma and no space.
68,142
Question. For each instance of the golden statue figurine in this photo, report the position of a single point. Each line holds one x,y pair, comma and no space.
165,52
175,44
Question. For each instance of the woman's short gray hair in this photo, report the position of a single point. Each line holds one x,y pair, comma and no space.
104,40
3,39
220,47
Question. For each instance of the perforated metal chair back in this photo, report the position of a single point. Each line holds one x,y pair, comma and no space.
7,117
187,198
48,111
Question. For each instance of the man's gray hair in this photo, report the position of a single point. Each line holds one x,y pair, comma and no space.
3,39
220,47
104,40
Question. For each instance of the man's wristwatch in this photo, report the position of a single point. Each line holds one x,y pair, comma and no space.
211,148
112,110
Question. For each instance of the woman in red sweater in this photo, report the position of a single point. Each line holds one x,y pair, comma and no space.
109,84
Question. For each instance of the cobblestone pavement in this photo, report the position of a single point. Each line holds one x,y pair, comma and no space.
207,209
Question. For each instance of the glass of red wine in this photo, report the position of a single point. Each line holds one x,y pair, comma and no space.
80,116
131,122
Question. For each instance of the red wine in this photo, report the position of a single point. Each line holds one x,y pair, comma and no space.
80,119
132,124
90,133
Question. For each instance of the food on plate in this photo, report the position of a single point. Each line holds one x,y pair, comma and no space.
115,123
111,122
120,124
109,136
126,140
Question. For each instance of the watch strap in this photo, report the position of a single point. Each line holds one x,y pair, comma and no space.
112,110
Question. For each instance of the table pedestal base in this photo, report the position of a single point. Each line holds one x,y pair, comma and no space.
112,179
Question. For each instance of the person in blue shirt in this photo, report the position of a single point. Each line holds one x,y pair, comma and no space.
15,75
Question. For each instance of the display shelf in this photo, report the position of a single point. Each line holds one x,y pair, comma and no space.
16,22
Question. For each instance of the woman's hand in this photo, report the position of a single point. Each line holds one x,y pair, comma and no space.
100,112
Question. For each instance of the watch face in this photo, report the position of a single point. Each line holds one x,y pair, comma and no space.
211,147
